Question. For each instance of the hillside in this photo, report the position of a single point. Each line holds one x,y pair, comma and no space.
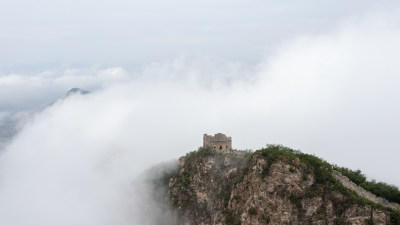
274,185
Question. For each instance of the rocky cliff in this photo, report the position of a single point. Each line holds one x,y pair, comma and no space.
275,185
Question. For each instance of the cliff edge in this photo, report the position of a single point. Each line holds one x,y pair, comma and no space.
275,185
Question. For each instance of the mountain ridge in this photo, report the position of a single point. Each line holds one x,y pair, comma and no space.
75,90
274,185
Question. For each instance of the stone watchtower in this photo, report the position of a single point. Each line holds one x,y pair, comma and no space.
218,141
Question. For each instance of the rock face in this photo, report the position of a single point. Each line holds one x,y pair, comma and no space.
201,190
217,188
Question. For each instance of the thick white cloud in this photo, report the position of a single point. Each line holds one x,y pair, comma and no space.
334,95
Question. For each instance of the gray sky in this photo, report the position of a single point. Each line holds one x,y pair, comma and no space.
315,76
47,33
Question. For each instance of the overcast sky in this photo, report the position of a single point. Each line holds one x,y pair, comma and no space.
317,76
36,35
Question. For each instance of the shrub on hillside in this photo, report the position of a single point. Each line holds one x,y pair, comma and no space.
390,192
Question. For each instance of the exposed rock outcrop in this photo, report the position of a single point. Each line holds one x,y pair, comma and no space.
217,188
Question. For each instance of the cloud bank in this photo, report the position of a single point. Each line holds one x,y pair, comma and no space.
333,95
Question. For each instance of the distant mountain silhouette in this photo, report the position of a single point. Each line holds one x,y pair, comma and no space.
9,127
76,91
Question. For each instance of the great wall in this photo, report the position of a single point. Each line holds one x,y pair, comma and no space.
363,193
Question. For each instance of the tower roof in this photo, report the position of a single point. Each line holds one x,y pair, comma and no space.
220,137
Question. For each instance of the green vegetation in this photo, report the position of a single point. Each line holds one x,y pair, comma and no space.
229,217
267,219
322,169
310,166
201,152
339,221
252,211
186,179
325,184
368,222
296,200
390,192
394,216
194,164
240,155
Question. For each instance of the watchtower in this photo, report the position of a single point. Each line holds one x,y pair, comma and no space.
219,142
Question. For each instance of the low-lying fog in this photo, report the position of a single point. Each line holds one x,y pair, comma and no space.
76,159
